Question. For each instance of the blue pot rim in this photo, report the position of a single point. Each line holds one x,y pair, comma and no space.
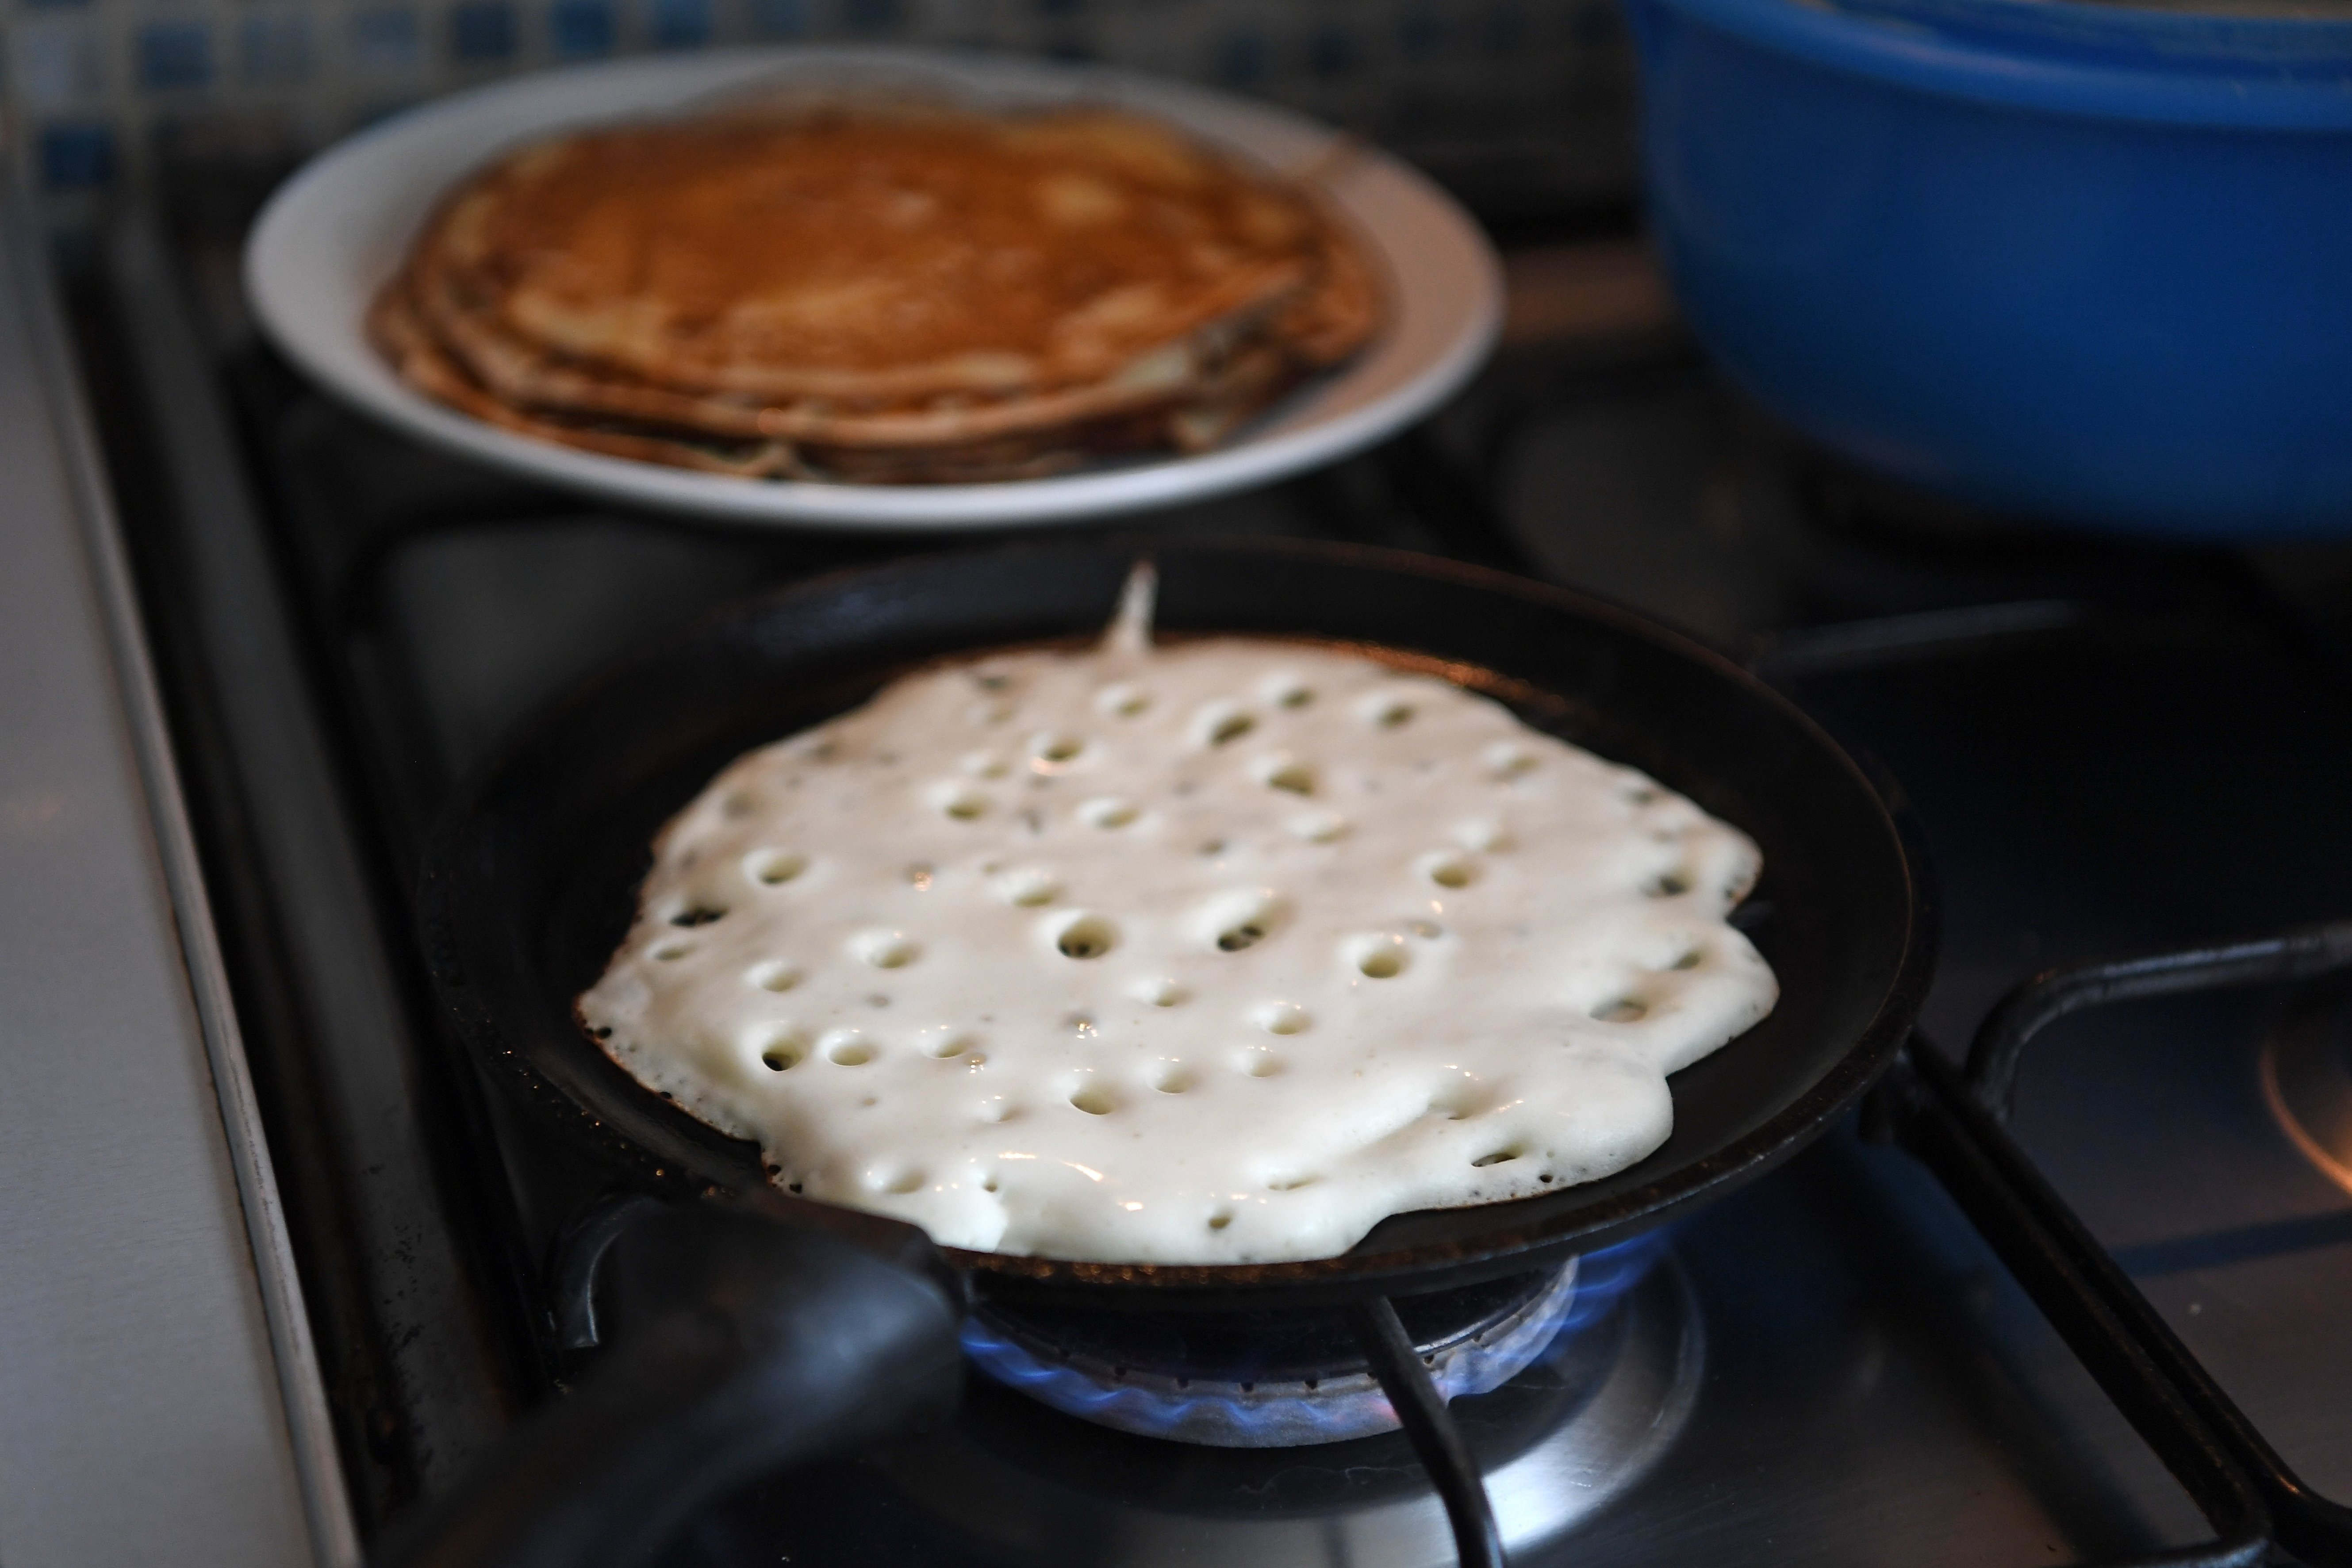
2069,57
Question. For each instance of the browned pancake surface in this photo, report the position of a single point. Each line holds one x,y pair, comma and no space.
875,256
881,294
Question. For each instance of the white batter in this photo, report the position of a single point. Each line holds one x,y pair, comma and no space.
1220,952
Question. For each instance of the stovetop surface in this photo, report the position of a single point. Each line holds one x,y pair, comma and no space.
2107,747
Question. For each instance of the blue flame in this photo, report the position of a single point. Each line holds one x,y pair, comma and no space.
1602,1280
1340,1409
1154,1413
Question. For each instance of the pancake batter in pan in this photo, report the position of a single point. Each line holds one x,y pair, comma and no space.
1217,952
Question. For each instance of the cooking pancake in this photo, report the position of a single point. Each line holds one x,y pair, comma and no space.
532,877
1216,952
878,257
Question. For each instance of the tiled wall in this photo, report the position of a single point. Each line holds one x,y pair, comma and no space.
93,93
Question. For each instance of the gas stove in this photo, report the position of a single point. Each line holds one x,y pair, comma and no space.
1899,1347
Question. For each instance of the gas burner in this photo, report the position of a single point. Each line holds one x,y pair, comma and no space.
1587,1416
2307,1078
1262,1380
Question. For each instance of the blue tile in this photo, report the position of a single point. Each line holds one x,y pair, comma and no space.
777,19
174,56
580,29
1242,60
680,23
482,30
275,48
386,39
869,16
76,156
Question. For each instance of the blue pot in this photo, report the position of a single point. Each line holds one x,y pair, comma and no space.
2079,262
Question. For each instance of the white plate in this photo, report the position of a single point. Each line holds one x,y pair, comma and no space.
340,227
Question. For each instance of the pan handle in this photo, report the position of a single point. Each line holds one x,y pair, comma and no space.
745,1345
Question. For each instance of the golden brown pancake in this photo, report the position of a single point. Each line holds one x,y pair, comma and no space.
518,371
894,293
887,257
398,334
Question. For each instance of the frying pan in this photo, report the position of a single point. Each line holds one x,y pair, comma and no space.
530,879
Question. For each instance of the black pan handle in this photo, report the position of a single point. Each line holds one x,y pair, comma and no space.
744,1345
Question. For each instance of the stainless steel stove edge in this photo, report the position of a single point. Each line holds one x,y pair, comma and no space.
159,1395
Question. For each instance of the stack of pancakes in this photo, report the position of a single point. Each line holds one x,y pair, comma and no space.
884,292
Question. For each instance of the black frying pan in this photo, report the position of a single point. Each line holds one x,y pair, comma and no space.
763,1344
532,880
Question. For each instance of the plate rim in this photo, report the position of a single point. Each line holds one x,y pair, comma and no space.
273,266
